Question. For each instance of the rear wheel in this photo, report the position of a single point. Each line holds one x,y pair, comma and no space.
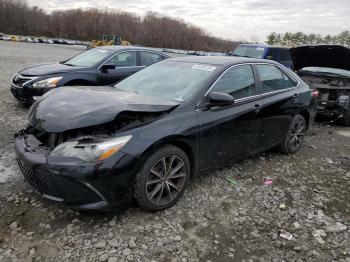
163,178
295,135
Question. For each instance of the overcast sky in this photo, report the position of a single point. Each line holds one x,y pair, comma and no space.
234,19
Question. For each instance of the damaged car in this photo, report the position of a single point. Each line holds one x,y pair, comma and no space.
101,148
100,66
326,68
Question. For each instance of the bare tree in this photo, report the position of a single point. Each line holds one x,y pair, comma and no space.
17,17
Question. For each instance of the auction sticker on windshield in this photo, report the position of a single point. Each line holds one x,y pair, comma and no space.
204,67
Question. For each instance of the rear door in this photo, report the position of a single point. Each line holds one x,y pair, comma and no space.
230,133
125,65
280,98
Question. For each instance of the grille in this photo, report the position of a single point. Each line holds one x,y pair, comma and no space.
42,182
20,80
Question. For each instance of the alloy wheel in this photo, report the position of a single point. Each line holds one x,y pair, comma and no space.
297,135
166,180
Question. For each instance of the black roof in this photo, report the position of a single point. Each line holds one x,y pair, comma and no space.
122,48
219,60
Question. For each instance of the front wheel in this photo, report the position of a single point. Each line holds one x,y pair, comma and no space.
295,136
162,180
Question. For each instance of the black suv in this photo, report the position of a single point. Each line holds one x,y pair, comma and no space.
99,66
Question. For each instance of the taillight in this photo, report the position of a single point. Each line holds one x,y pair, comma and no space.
315,93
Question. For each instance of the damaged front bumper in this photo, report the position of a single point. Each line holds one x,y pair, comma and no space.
102,185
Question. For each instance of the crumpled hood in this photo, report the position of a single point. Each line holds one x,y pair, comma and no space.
331,56
49,69
68,108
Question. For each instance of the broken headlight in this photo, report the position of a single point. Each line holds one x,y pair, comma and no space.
50,82
91,151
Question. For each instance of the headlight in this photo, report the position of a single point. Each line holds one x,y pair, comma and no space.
90,152
50,82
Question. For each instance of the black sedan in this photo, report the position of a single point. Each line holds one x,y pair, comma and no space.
142,140
100,66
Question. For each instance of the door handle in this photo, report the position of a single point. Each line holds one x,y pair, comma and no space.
257,108
295,95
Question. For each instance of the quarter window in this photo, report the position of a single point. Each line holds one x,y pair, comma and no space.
148,58
271,78
125,59
237,81
289,82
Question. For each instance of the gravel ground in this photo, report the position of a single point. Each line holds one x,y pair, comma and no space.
303,216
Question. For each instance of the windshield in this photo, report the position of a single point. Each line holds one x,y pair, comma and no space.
89,58
175,81
326,70
249,51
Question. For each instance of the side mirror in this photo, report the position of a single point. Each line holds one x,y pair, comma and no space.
105,67
220,99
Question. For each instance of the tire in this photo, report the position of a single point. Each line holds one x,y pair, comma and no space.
156,190
295,136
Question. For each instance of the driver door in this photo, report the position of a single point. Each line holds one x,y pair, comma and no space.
125,65
230,133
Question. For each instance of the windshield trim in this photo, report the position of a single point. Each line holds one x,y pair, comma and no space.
92,66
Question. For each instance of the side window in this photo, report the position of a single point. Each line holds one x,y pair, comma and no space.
148,58
237,81
124,59
285,55
289,82
272,54
271,78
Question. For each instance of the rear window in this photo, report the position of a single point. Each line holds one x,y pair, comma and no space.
249,51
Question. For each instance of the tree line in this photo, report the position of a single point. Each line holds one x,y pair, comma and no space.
299,38
17,17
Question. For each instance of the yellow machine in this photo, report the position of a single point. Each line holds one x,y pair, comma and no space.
13,38
108,40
